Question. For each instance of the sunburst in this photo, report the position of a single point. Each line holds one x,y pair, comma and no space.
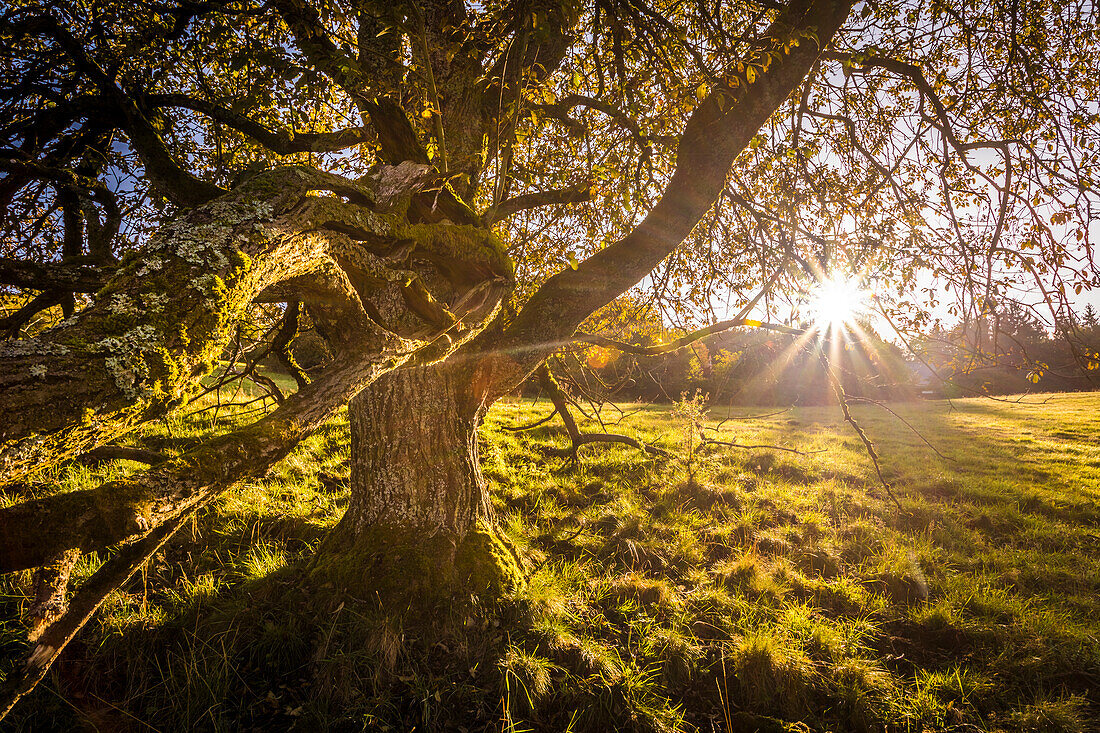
836,302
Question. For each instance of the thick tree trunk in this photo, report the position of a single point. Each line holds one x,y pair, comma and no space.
419,527
417,496
414,458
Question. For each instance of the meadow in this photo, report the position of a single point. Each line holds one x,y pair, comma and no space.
714,589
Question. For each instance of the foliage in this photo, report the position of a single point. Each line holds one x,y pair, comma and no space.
695,148
1009,351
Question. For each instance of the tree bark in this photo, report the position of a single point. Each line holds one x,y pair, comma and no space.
416,488
419,527
167,314
414,456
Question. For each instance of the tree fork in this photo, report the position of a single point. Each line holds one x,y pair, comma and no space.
578,439
166,315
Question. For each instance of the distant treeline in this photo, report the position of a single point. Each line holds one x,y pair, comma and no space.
1007,352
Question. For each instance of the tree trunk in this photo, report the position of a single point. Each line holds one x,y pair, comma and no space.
414,457
170,308
419,526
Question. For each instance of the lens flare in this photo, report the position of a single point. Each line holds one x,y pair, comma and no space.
837,301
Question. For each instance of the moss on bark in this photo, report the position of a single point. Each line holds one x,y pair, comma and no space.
405,573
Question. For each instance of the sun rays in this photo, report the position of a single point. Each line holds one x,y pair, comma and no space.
837,301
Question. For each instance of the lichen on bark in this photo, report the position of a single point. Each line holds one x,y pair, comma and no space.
166,316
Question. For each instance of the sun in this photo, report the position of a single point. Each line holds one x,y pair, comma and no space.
837,301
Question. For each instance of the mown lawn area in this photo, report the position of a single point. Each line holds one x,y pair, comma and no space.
718,589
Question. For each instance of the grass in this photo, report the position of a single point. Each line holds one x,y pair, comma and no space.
771,591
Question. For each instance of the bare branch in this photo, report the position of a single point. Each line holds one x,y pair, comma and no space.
575,194
283,142
842,398
577,439
530,425
91,595
74,278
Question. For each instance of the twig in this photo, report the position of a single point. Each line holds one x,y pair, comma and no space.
904,421
711,441
838,390
577,439
529,426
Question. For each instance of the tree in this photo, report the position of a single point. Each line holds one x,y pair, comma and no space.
452,189
1088,318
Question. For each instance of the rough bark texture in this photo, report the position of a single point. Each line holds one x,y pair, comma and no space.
418,533
168,313
414,457
34,532
414,467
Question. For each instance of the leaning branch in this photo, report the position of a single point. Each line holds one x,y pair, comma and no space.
718,131
577,439
842,398
91,595
283,142
688,339
73,278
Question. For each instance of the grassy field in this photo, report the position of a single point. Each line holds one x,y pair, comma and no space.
721,589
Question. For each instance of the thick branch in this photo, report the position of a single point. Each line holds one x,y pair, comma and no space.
74,278
715,135
283,142
166,315
575,194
